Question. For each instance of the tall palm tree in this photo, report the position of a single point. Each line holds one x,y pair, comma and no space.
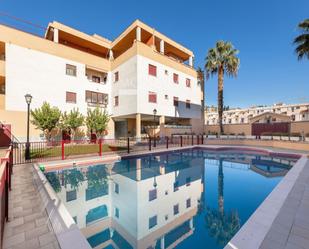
302,41
222,59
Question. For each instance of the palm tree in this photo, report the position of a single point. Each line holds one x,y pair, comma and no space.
201,82
302,41
221,60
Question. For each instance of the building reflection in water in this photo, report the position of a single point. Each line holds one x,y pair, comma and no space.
150,202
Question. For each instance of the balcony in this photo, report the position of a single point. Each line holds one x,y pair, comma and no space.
96,76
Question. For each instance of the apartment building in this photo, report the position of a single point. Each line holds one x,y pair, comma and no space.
276,113
142,70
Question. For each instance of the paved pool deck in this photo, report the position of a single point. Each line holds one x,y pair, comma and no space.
28,225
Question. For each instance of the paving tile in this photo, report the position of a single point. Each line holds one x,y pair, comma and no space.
28,244
46,239
299,241
14,240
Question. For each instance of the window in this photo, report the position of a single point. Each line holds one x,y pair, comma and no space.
96,98
166,96
152,194
70,70
117,213
116,188
96,79
176,186
188,83
152,222
71,195
188,203
116,101
242,120
175,78
175,101
166,72
188,104
152,97
188,181
293,117
70,97
152,70
176,209
116,76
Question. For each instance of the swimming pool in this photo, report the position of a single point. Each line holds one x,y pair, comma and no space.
183,199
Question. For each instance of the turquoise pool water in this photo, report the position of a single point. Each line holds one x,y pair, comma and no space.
183,199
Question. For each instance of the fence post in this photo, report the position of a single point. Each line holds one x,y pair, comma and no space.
198,139
180,141
149,143
100,147
202,142
62,149
154,141
192,140
166,142
6,191
128,145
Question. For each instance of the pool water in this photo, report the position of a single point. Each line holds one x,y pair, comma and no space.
182,199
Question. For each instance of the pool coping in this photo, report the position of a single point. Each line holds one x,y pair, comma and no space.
250,236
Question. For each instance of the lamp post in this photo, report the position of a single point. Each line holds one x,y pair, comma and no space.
154,128
28,98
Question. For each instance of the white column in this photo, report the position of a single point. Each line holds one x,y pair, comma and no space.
191,61
162,124
111,55
162,242
56,35
138,125
138,33
162,47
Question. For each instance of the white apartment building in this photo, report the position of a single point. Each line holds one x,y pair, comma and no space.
295,112
140,71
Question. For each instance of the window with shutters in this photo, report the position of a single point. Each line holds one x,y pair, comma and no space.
152,97
188,203
116,101
96,98
176,101
188,83
152,70
116,76
176,78
70,70
70,97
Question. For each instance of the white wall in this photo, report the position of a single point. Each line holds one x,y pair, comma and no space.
163,85
125,88
44,77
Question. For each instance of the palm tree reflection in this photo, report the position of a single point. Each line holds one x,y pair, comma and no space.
221,226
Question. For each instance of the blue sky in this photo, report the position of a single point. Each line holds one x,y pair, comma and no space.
262,30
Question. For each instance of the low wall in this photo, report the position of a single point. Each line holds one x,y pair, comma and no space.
296,127
18,122
230,129
264,143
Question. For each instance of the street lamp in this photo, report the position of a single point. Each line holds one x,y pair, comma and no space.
154,128
28,99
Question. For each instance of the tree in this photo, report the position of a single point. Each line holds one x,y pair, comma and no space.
221,60
201,82
46,118
97,121
302,41
72,121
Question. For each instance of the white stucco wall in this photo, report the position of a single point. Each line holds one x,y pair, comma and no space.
44,77
163,84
